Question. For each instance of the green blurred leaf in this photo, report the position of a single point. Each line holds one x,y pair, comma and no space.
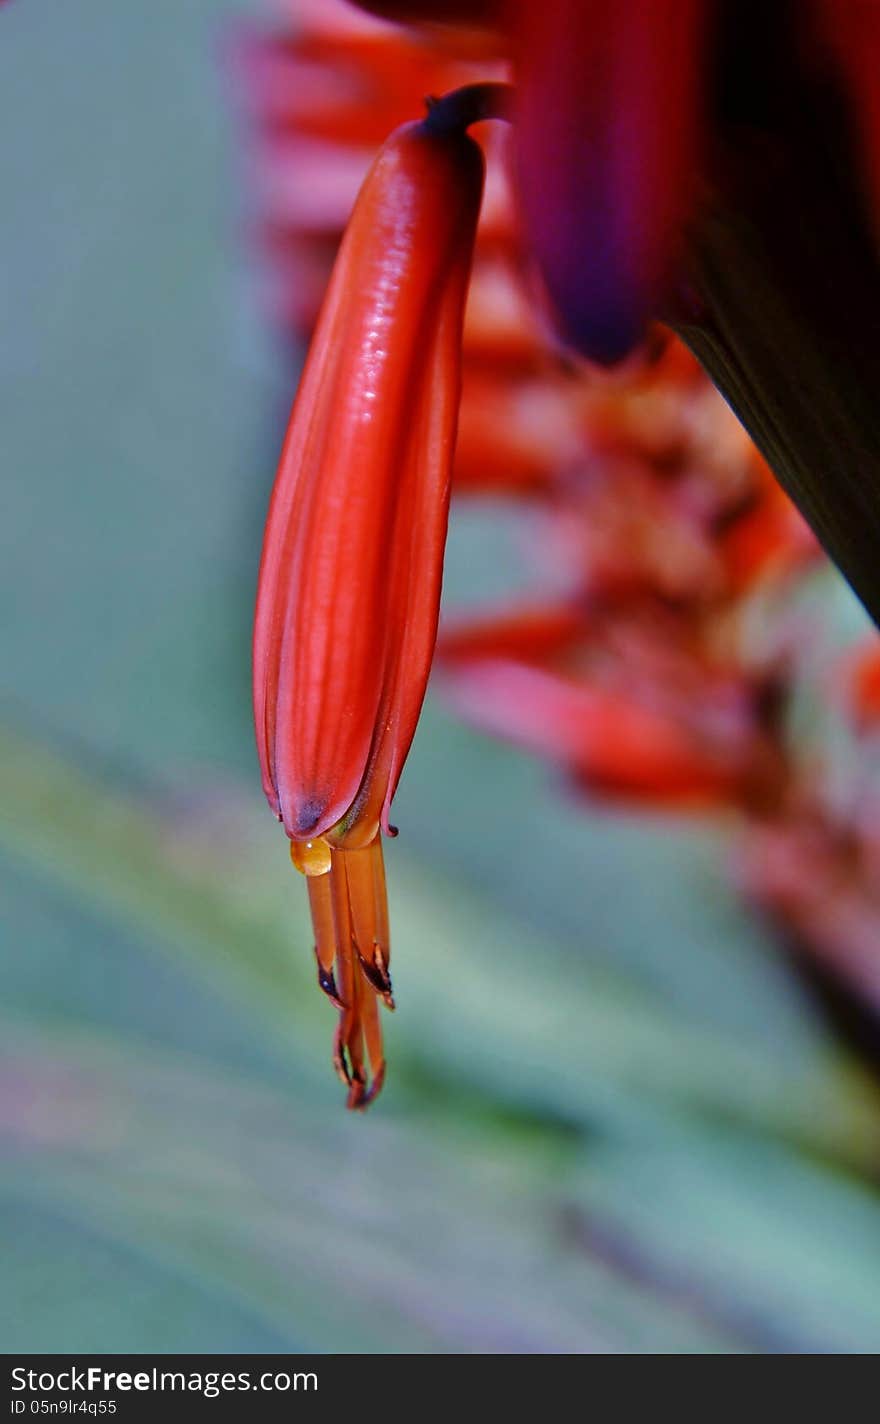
316,1224
778,1249
483,1004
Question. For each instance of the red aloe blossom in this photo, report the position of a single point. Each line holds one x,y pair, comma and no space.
643,680
349,584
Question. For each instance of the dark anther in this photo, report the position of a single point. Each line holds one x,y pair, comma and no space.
327,982
376,973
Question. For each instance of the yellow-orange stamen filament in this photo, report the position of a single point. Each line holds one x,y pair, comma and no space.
352,949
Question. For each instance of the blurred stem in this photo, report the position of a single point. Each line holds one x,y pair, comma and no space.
469,105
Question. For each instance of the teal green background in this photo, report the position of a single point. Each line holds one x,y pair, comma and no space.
614,1120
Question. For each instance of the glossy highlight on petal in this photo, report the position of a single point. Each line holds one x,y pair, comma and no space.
352,559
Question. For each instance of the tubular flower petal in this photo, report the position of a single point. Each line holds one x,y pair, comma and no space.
608,122
349,584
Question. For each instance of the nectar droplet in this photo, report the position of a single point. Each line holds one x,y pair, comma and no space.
311,857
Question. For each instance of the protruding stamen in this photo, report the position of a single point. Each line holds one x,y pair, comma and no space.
365,874
387,992
340,1057
380,900
365,1031
351,1027
321,906
373,1035
375,1087
346,902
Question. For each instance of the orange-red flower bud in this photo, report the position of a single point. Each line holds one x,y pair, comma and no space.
349,586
